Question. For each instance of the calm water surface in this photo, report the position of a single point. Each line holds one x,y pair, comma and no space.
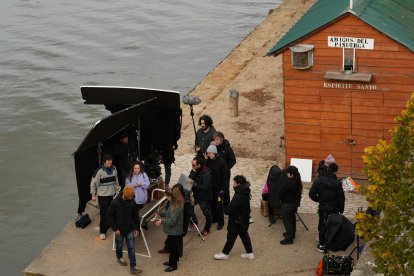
48,49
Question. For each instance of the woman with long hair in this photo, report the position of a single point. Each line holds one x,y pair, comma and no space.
138,180
290,195
172,218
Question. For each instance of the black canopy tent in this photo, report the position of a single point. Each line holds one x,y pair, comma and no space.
154,115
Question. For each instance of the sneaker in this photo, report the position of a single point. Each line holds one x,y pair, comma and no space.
320,248
205,232
219,226
102,236
122,262
135,270
221,256
249,256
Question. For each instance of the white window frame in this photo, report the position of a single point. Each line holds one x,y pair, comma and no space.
302,48
353,61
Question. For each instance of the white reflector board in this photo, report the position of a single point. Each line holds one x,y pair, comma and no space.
304,166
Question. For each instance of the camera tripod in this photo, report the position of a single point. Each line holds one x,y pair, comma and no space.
198,229
300,219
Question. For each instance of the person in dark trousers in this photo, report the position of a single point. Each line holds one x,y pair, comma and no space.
275,180
204,135
227,154
327,191
186,219
167,158
238,223
218,170
290,195
125,153
323,165
122,216
172,219
202,190
104,185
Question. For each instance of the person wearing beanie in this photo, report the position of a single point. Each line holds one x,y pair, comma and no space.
218,170
323,164
124,222
327,191
225,152
104,185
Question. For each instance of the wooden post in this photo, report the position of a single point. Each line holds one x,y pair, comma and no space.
234,103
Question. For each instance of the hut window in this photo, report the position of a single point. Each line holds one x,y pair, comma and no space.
348,60
302,56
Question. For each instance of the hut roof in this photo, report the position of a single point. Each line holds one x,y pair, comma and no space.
393,18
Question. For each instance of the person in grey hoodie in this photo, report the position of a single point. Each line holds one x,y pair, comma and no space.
172,219
104,185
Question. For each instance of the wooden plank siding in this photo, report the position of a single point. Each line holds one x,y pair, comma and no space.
319,120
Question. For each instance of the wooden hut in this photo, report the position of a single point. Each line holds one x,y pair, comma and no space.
348,71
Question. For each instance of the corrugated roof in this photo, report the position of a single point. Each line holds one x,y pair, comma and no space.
393,18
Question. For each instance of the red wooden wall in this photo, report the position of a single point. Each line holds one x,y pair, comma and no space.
319,120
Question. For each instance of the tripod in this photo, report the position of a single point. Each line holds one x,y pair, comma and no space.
196,227
300,219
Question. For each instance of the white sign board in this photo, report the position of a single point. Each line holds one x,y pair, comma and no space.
351,42
304,166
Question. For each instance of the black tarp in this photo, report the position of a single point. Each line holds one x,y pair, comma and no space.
156,114
340,233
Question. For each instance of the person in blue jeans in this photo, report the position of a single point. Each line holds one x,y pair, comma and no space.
124,221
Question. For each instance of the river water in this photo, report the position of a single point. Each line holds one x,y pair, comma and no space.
48,49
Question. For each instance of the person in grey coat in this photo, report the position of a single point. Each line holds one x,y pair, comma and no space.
172,219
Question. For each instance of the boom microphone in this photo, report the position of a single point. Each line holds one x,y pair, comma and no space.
191,100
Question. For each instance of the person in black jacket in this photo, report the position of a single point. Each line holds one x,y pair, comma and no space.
227,154
204,135
290,195
238,211
275,180
218,170
323,165
124,221
327,191
202,190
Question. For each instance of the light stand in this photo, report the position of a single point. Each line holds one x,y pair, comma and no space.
191,100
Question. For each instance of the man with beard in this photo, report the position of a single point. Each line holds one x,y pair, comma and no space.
204,135
202,190
218,170
227,154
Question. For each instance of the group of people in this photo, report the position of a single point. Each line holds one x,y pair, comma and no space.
121,194
283,189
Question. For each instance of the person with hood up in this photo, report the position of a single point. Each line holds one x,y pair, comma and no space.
238,211
274,181
327,191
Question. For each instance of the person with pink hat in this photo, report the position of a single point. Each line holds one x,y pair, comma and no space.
323,165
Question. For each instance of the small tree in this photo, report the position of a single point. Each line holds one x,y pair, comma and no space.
390,171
